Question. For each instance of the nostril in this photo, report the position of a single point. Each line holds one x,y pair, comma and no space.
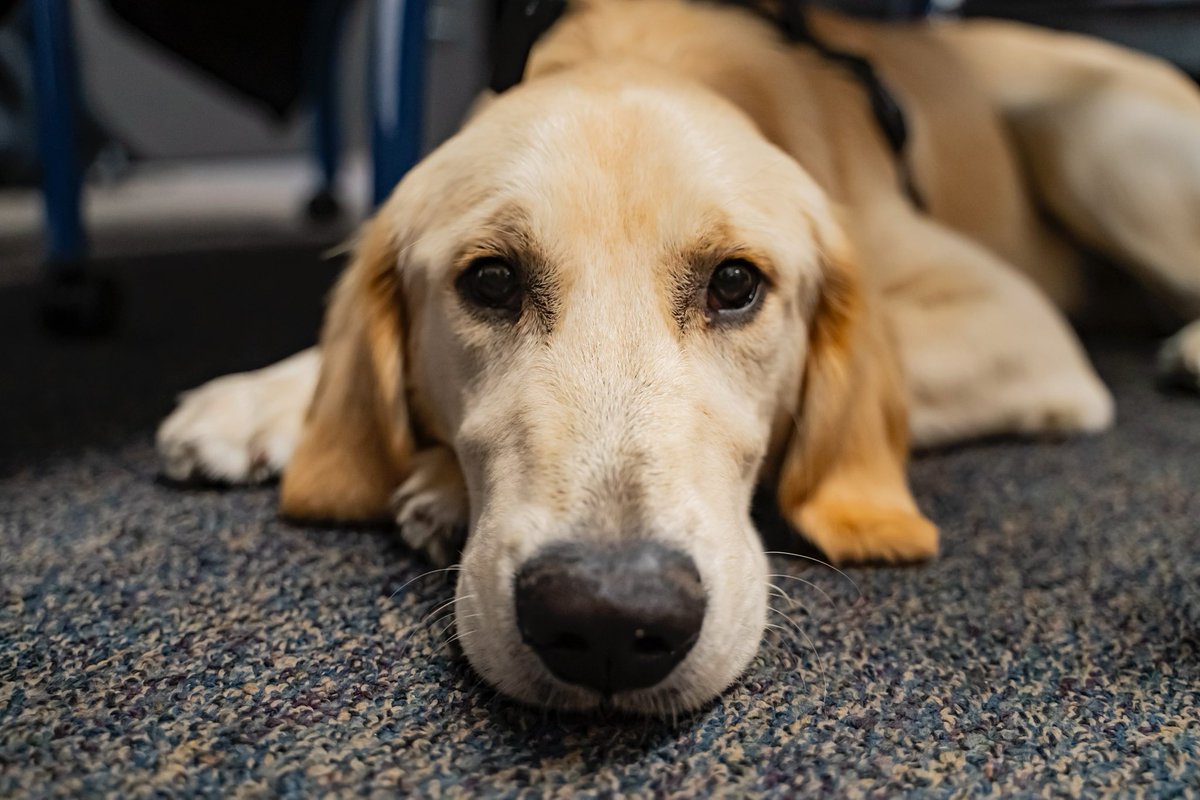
650,645
609,617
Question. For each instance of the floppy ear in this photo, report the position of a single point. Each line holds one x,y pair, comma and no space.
356,440
842,481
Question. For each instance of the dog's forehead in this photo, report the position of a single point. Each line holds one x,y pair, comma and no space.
634,162
619,170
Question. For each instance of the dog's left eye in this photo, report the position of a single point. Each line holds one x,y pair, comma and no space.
492,283
734,286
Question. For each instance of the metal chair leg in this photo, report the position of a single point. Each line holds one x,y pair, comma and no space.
56,78
324,49
77,302
397,91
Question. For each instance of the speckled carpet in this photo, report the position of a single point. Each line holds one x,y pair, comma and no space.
159,641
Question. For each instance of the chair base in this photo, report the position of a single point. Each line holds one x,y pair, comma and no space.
79,304
324,207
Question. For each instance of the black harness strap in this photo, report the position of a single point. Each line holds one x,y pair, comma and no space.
522,23
889,114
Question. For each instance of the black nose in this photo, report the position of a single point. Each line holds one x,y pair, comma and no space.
610,617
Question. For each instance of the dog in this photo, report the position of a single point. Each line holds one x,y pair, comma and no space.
678,261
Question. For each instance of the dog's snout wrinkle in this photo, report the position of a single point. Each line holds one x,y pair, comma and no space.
611,618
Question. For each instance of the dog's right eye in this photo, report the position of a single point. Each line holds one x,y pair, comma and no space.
492,283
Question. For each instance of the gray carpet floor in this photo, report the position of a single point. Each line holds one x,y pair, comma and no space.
165,641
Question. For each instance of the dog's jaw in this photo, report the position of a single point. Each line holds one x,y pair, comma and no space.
487,631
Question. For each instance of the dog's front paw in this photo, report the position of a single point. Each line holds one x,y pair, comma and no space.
852,532
240,428
1179,358
431,506
215,434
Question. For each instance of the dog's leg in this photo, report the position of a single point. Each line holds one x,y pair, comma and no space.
240,428
1179,359
1122,170
431,506
243,429
1112,142
984,352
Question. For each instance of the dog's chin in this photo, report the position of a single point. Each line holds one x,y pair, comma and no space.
675,696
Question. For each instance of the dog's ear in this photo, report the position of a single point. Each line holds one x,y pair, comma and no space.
842,480
356,439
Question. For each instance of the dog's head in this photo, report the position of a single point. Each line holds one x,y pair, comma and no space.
621,308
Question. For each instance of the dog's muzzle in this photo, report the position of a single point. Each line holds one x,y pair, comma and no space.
611,617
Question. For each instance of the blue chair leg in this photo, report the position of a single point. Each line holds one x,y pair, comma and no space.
56,77
77,302
324,40
397,91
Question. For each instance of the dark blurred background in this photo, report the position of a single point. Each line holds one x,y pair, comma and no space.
195,138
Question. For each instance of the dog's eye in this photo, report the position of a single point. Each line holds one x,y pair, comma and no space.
733,286
492,283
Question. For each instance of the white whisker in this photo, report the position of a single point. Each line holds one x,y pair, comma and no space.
430,619
450,641
423,575
788,599
813,646
780,593
787,635
806,583
818,561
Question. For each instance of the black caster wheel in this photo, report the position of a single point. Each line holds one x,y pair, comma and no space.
79,304
323,207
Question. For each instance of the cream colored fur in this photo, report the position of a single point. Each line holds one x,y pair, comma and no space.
651,140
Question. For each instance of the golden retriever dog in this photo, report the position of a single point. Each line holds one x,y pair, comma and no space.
677,261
